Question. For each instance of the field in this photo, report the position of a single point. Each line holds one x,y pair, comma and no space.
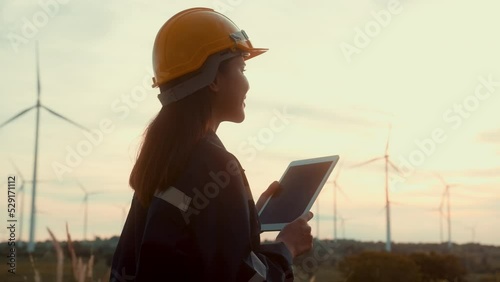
328,261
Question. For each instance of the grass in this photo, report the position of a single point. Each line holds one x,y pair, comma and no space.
53,267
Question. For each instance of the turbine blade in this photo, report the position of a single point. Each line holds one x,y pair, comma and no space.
441,179
46,181
338,173
395,167
388,138
432,210
81,186
343,193
38,84
17,170
16,116
367,162
442,201
382,210
66,119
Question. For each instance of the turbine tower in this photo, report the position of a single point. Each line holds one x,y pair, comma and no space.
473,232
446,194
86,207
336,187
439,210
388,163
342,225
37,106
441,215
124,212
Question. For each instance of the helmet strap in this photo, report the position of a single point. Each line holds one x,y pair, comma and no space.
204,77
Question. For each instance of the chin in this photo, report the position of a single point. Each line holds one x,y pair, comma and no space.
239,118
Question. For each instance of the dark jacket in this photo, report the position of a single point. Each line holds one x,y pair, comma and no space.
203,228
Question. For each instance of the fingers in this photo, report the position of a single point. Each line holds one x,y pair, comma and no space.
307,216
275,186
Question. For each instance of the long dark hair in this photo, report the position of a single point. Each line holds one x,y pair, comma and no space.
168,143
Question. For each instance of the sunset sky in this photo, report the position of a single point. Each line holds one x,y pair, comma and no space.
336,75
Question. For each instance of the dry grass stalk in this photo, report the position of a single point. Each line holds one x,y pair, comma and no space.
82,268
90,272
37,273
60,257
106,275
74,261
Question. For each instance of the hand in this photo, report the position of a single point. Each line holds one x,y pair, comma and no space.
297,235
273,188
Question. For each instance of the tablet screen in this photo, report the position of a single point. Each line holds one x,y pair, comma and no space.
298,187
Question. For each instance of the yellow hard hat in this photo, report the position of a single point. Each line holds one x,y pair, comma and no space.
195,41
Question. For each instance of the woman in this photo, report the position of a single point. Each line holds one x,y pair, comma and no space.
192,216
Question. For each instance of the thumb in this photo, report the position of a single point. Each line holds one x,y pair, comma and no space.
273,187
307,216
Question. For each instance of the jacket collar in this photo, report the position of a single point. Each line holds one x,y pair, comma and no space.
212,137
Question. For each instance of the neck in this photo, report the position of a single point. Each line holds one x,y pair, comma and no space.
214,124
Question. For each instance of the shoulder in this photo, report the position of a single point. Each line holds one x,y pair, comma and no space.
210,169
211,154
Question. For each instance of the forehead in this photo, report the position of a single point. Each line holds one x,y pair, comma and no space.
237,61
234,63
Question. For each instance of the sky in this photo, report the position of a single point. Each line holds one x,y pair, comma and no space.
337,76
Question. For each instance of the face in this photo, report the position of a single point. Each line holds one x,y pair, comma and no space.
230,88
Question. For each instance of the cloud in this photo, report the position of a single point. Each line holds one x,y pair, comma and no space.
479,173
331,116
491,136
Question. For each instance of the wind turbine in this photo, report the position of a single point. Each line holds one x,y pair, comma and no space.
37,106
439,210
441,215
342,224
446,194
86,206
124,212
336,187
388,163
473,231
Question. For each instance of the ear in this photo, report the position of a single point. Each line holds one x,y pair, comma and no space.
215,85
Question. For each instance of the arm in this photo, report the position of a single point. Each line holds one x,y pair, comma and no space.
207,236
223,233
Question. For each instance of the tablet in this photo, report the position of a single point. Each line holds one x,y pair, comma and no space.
300,186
